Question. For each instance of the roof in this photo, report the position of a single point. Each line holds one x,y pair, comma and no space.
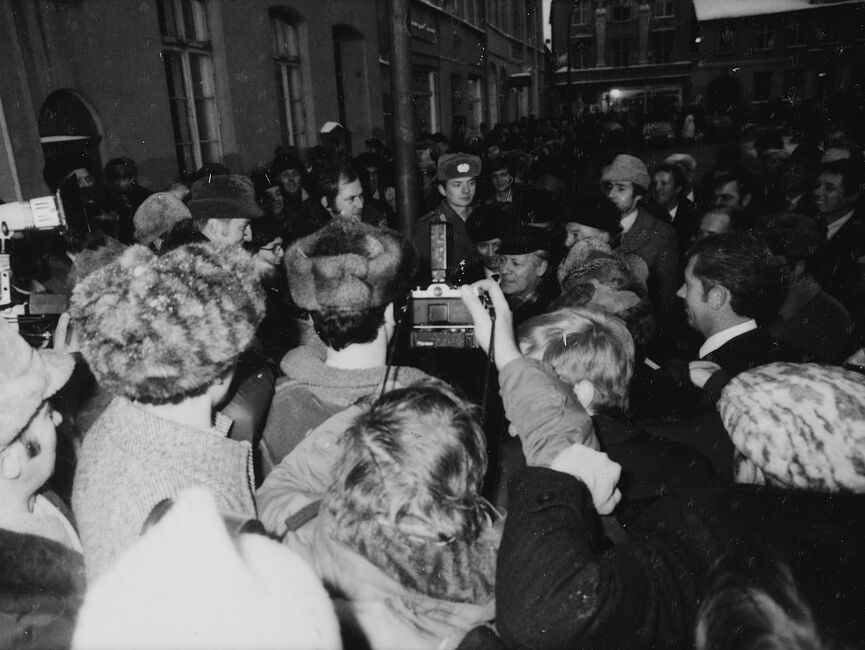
715,10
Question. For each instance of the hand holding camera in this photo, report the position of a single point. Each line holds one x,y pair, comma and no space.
505,344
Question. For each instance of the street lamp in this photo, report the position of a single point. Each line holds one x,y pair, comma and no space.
570,93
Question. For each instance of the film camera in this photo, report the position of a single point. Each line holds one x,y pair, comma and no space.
439,317
62,211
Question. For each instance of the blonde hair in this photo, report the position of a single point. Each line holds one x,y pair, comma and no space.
584,343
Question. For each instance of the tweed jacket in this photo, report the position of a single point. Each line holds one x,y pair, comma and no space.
656,242
131,460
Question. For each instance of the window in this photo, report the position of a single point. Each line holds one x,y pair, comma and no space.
425,100
762,85
289,84
186,54
622,10
665,8
622,52
764,36
476,108
794,79
662,46
726,39
581,52
582,13
795,34
493,94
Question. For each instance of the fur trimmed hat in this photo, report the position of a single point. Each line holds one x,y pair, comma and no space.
186,583
348,266
230,196
628,168
457,165
27,378
160,329
156,215
797,426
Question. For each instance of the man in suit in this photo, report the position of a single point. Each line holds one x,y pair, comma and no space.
731,289
668,187
841,265
625,183
730,285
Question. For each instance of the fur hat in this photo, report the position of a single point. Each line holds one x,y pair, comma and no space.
458,165
160,329
628,168
348,266
187,584
96,254
230,196
797,426
155,216
27,378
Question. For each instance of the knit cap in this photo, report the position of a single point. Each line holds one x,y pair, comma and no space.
160,329
348,266
156,215
27,378
186,583
628,168
797,426
228,196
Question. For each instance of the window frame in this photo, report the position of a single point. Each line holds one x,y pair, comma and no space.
288,68
177,43
665,6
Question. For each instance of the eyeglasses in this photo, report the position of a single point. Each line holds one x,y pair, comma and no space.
273,248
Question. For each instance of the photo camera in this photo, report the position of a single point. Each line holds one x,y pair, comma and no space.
62,211
439,317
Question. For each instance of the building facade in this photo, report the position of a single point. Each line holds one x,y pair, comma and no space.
622,55
754,56
474,63
175,84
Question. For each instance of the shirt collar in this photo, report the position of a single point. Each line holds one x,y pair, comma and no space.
718,339
833,228
628,220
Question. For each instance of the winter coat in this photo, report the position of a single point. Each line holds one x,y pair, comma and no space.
559,586
41,590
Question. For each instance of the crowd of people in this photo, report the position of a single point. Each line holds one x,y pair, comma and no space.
235,440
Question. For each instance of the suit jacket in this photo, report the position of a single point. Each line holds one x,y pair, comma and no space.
669,394
686,225
656,242
840,270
